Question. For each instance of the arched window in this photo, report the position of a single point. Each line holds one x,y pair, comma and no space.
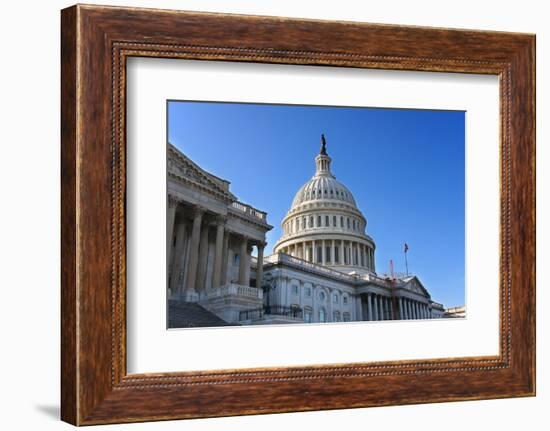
336,316
335,298
322,315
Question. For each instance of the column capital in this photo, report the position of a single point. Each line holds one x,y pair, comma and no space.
261,244
198,211
219,219
173,201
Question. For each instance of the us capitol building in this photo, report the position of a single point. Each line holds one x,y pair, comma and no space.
323,268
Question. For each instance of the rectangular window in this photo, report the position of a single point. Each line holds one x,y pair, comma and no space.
334,221
318,221
336,255
341,221
327,254
319,254
348,222
308,291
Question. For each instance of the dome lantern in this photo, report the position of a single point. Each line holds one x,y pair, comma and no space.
322,161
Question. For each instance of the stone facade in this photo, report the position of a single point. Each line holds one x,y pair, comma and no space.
322,269
210,238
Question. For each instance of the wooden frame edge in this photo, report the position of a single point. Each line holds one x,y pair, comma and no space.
118,390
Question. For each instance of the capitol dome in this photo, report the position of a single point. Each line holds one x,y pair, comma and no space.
324,225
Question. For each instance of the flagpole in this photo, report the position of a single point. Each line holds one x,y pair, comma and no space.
405,249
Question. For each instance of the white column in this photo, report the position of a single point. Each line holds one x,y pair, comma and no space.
194,250
177,259
314,251
218,253
332,254
260,266
401,316
381,308
203,257
375,301
342,260
323,253
358,308
314,315
170,217
225,258
369,306
242,261
369,258
330,317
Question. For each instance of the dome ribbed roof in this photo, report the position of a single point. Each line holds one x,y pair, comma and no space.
323,187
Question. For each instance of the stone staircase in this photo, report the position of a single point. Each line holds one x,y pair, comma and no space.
183,314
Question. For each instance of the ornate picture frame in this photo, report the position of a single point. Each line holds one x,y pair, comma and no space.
96,42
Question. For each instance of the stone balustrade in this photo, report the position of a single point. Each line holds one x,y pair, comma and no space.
234,290
250,211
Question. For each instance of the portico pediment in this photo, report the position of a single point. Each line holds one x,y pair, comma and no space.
182,168
414,285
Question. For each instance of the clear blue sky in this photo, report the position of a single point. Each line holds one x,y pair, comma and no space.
405,168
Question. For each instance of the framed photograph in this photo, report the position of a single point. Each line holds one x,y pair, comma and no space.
265,215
